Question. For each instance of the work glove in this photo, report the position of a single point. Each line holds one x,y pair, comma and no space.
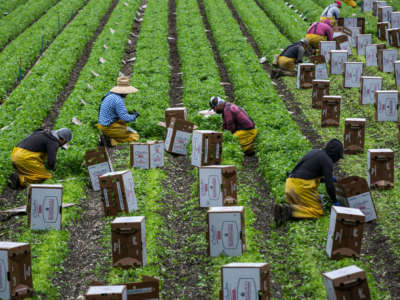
134,113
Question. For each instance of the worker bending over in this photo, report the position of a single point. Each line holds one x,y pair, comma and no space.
318,31
289,57
237,121
331,12
302,184
29,156
113,116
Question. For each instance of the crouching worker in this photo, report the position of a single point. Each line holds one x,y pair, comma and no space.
331,12
288,59
318,31
237,121
302,185
29,156
113,116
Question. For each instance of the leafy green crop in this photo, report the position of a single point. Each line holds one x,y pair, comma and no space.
6,7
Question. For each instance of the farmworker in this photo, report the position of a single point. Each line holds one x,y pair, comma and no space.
237,121
29,156
289,57
331,12
302,183
317,33
113,116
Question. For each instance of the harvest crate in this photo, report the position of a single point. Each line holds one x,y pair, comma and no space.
386,105
147,155
330,111
206,148
107,292
320,89
354,135
380,168
305,75
369,85
175,112
352,74
98,163
178,135
338,58
321,71
384,13
386,59
376,5
381,28
362,41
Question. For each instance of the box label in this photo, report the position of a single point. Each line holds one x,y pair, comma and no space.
326,48
395,19
387,107
225,231
321,72
363,41
354,32
45,208
168,139
241,283
210,187
130,194
337,64
389,57
370,85
156,155
180,142
197,145
141,156
371,56
352,77
364,203
95,171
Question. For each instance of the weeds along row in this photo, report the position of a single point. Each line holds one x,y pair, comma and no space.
21,18
22,53
40,89
6,7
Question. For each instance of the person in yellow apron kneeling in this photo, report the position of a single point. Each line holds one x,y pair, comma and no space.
317,32
113,115
28,158
237,121
301,187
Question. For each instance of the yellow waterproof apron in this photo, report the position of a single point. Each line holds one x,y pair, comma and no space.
246,138
352,3
286,63
29,165
303,197
332,19
119,133
314,39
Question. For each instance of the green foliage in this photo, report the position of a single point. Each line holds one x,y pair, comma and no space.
9,6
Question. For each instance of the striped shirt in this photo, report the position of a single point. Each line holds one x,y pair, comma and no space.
113,109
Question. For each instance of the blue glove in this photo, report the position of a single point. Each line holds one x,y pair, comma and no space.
134,113
334,179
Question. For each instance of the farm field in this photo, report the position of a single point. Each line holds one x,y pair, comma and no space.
60,58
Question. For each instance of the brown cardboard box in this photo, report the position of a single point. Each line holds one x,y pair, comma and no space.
354,135
352,74
380,168
320,89
147,155
381,28
386,105
347,283
107,292
245,281
175,112
98,163
384,13
217,186
345,233
375,6
369,85
343,42
147,289
226,231
305,75
397,72
128,235
178,135
45,206
353,191
352,22
394,37
206,148
321,71
386,59
341,29
330,111
15,270
118,192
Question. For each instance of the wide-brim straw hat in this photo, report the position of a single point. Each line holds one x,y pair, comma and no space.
123,86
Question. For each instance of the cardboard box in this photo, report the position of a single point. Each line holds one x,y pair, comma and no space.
98,163
45,206
118,192
321,71
376,5
386,105
395,19
147,289
178,135
386,59
354,135
206,148
380,168
343,43
354,192
394,37
326,47
347,283
367,5
15,271
245,281
338,58
381,28
362,41
305,75
107,292
320,89
346,227
352,22
128,235
354,32
175,112
352,74
217,186
384,13
369,85
226,231
147,155
371,55
397,72
330,111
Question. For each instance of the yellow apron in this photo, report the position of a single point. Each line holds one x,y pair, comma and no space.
303,197
246,138
286,63
29,166
119,133
332,19
314,39
352,3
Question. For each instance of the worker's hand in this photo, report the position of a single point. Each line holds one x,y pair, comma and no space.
135,114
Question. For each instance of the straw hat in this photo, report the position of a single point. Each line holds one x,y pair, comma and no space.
123,86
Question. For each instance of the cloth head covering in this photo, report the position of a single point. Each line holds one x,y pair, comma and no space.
123,86
304,41
215,101
63,133
338,3
334,149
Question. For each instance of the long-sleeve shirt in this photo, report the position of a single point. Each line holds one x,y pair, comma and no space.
315,164
42,141
331,11
235,118
321,29
295,50
113,109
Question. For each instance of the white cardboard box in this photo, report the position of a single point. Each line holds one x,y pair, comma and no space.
148,155
371,55
397,72
389,56
372,170
386,13
354,32
95,292
386,105
363,40
338,58
369,86
326,47
352,75
321,72
206,147
395,19
367,5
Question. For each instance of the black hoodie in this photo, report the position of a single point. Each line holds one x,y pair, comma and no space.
319,163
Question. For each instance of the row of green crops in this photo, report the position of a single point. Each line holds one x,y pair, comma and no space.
27,46
308,8
305,241
21,17
40,89
6,7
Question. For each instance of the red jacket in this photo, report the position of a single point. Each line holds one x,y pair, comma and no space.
235,118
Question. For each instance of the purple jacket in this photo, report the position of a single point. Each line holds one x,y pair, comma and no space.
235,118
321,29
